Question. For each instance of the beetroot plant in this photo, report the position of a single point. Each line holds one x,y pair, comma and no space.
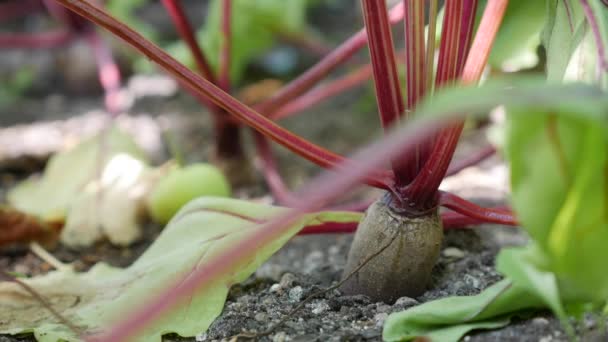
398,239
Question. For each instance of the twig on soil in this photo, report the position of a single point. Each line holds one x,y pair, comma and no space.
39,298
47,257
251,336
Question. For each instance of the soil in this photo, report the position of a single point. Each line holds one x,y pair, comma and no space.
307,263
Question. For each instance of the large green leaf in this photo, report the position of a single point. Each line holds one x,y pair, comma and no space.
448,319
571,42
96,299
255,25
562,34
558,176
519,35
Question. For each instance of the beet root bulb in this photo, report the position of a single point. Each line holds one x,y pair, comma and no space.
401,269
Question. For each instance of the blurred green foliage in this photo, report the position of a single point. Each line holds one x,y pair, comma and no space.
256,24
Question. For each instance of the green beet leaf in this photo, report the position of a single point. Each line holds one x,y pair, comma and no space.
558,176
519,35
94,300
574,42
448,319
255,26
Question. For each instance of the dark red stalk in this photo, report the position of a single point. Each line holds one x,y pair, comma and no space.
108,72
180,20
224,62
384,66
320,70
456,35
73,22
472,210
430,44
454,220
386,79
459,165
306,42
270,171
227,133
298,145
415,76
415,53
12,10
42,40
330,228
423,189
324,91
450,220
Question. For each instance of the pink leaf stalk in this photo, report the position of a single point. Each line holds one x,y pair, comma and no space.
185,30
473,159
464,207
415,67
14,9
108,73
599,42
227,132
320,70
224,61
423,188
386,80
43,40
295,143
324,91
270,171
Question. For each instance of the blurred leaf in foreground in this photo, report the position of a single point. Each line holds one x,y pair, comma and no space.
95,300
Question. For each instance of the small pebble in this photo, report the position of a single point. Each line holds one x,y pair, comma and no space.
287,280
406,302
268,301
295,294
540,321
244,299
453,252
281,336
381,307
276,288
260,317
379,318
319,307
471,281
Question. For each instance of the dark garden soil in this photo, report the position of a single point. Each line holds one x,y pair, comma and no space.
55,117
